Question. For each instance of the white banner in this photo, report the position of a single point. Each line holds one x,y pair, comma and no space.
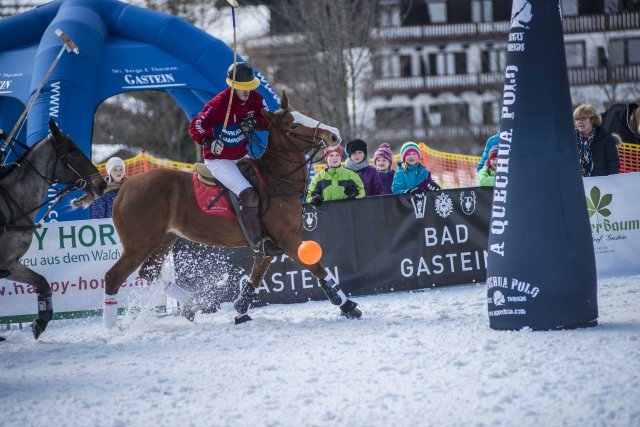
614,211
74,256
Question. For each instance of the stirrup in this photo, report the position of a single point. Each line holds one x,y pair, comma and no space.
266,247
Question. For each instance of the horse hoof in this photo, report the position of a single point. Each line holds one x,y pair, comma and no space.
242,319
349,310
187,311
2,339
38,327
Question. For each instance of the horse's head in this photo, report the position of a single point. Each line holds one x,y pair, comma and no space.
72,167
305,133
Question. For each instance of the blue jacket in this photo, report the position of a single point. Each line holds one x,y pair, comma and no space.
414,176
493,140
102,206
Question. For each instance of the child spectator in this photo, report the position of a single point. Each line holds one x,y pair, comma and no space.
491,142
103,205
487,175
358,162
383,159
334,182
411,176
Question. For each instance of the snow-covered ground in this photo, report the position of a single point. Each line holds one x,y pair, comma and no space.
415,359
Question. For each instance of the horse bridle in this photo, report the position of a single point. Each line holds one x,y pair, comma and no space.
316,144
80,184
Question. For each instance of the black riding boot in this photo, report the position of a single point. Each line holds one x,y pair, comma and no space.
249,208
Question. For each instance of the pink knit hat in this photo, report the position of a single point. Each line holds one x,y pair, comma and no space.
384,151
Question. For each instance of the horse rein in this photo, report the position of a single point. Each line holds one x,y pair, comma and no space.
80,183
317,144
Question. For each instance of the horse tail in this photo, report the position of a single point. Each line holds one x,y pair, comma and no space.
87,200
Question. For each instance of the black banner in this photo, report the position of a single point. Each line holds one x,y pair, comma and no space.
371,245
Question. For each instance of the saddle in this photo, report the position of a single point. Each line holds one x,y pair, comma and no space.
212,197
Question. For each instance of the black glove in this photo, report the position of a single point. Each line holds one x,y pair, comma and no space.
351,190
415,190
316,200
433,186
247,124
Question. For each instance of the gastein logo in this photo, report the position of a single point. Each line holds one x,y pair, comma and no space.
521,14
597,205
444,205
419,202
468,202
310,221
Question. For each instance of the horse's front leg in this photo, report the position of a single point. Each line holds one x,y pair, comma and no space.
334,293
23,274
243,302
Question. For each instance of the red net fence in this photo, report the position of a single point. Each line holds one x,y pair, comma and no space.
448,169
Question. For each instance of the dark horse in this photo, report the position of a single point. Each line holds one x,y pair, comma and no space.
54,160
153,208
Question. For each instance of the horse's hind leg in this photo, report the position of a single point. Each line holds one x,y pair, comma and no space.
23,274
243,302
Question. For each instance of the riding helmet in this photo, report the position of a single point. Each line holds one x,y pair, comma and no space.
245,79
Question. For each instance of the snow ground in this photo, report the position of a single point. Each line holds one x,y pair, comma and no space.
422,358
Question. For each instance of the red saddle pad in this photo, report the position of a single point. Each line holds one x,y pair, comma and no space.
205,194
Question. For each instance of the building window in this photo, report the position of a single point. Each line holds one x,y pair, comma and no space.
569,7
624,52
493,60
446,63
416,15
482,10
448,115
501,10
575,54
437,11
394,118
491,113
405,66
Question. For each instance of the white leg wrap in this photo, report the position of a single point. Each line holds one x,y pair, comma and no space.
342,296
175,291
109,311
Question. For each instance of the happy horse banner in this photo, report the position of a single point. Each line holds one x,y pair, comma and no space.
541,269
73,256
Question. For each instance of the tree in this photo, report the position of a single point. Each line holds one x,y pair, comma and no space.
331,55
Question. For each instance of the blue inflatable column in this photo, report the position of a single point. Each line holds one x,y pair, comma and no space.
541,266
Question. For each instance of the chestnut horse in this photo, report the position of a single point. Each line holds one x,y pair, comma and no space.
153,208
54,160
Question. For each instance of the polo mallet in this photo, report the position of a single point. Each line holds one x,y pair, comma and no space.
67,45
233,4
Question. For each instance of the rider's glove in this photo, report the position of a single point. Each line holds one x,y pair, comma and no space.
215,146
433,186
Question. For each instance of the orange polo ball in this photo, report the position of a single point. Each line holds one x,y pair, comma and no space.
309,252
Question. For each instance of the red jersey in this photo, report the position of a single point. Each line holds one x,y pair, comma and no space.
211,119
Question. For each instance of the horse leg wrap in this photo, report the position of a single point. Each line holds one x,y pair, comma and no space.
180,294
333,292
45,306
242,303
109,311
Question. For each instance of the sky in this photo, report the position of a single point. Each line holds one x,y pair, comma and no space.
425,358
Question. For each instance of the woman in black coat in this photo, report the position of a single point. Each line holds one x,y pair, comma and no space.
597,148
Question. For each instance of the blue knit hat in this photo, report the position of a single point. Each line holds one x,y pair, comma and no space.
408,147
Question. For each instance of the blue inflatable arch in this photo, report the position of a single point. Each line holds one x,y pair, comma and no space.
122,48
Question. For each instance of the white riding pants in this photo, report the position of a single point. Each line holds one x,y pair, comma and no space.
226,171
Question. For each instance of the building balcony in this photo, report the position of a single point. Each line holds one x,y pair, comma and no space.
498,30
398,136
486,81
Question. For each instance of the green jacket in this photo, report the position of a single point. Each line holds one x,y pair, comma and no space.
486,177
331,183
